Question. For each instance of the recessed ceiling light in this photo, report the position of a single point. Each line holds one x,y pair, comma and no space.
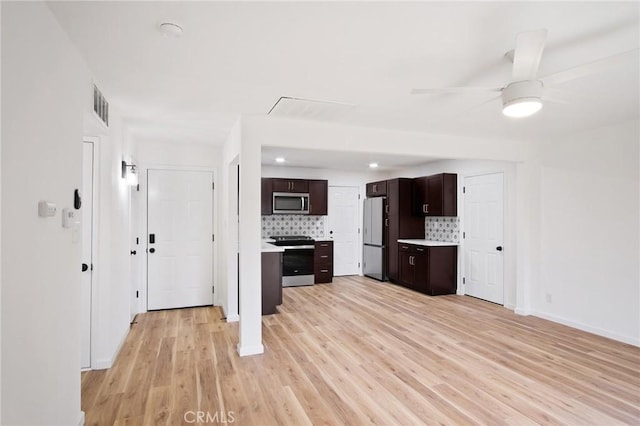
170,29
373,165
279,160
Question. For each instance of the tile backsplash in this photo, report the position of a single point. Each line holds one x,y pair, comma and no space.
293,224
442,229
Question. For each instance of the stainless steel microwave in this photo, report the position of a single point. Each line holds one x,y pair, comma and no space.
290,203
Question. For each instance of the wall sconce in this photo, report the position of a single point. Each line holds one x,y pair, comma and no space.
131,175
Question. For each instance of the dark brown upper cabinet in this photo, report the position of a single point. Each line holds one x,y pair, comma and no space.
436,195
318,197
317,190
290,185
377,189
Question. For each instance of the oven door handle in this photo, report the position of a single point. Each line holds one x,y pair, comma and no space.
297,247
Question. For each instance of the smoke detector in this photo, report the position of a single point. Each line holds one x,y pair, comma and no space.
170,29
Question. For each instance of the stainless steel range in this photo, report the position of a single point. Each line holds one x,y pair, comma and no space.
297,259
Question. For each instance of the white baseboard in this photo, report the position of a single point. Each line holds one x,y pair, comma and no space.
635,341
523,312
230,318
250,350
81,420
104,363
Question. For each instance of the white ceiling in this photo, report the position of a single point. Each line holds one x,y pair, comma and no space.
241,57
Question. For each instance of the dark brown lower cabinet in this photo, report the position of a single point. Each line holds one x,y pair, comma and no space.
429,270
271,282
323,262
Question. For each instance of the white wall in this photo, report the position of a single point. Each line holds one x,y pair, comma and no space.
111,260
229,225
465,168
250,276
300,134
44,92
176,156
0,230
589,231
242,234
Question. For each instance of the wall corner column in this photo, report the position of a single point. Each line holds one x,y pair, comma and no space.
250,277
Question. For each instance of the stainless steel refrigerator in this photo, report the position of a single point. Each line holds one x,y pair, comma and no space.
374,238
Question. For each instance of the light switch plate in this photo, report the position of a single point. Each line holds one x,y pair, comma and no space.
46,209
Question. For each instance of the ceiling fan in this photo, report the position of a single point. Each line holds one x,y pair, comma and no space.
522,96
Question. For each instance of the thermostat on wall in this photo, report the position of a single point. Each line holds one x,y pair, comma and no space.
46,209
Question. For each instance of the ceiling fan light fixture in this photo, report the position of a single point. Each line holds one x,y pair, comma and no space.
522,107
522,98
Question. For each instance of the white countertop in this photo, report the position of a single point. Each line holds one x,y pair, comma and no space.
429,243
270,248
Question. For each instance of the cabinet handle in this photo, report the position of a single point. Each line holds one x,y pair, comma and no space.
424,210
324,270
324,256
386,222
420,249
386,209
324,245
427,208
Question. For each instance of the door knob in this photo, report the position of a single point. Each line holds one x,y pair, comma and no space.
152,250
499,248
85,267
133,252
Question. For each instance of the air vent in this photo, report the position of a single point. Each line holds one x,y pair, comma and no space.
100,105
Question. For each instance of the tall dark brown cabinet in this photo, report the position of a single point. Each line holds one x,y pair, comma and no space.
400,222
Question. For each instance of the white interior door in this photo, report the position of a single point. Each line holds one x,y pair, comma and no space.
136,252
484,228
87,253
180,258
344,220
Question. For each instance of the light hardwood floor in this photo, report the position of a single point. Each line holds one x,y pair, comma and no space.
362,352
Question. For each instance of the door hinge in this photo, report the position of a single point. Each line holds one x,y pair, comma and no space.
358,230
464,189
213,289
137,294
213,237
358,264
213,185
138,187
464,235
358,196
137,240
464,280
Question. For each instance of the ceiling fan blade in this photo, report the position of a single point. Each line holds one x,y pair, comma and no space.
447,117
527,54
594,67
445,90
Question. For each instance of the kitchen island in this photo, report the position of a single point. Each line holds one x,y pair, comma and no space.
271,277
